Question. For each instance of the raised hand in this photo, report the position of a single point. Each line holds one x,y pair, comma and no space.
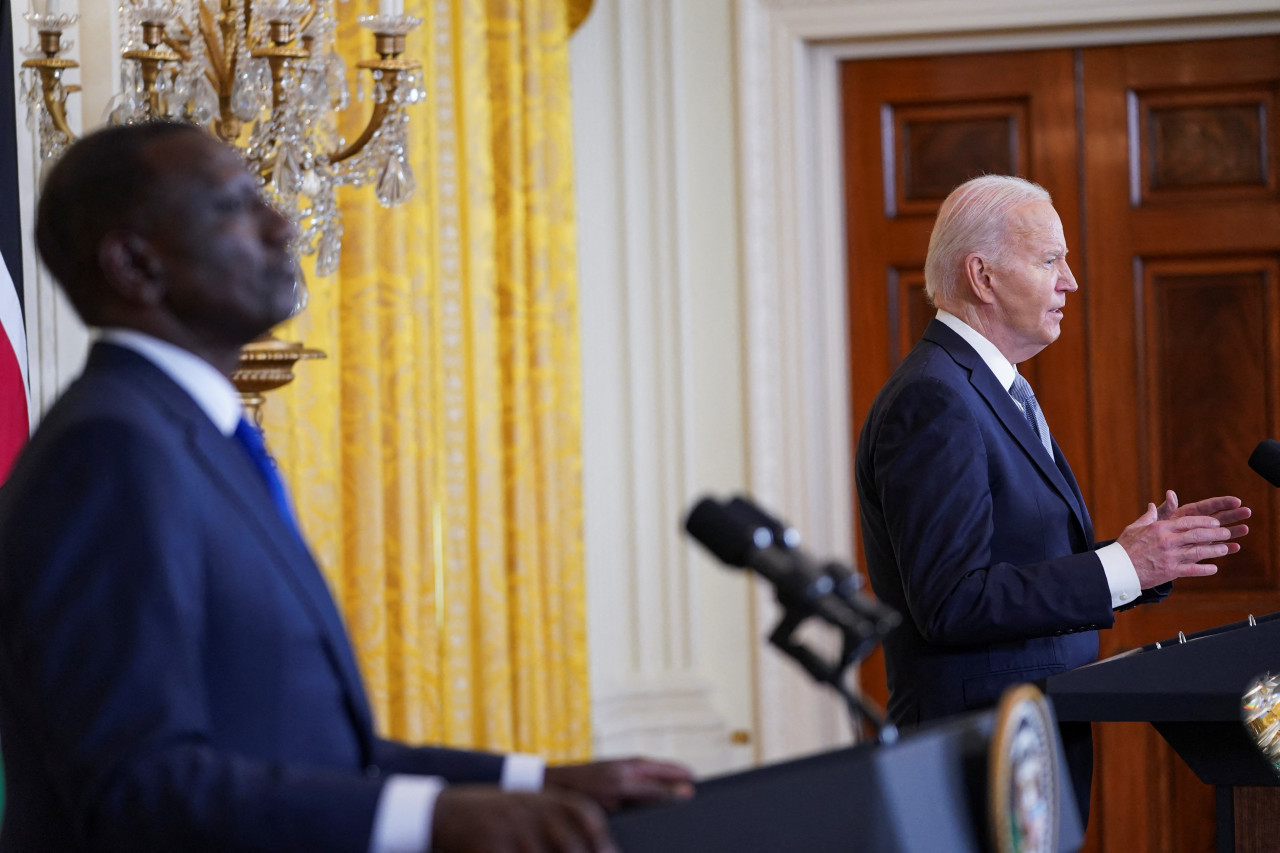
1227,509
1171,542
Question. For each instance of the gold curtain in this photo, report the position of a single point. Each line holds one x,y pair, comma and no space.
435,454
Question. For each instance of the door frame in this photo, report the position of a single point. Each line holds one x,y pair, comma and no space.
794,269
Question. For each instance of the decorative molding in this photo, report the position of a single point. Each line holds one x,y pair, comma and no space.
56,339
814,21
672,718
793,237
655,690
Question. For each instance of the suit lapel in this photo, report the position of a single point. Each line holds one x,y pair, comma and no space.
231,471
1011,417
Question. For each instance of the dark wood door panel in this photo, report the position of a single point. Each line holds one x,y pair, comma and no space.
1209,354
1182,274
1181,208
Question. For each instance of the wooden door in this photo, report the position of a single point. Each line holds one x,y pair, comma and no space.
1161,160
1183,247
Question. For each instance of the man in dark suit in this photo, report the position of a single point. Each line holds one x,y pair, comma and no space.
973,525
174,674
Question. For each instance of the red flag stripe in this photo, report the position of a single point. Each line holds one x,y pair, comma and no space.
15,400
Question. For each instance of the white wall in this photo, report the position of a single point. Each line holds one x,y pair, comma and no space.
662,365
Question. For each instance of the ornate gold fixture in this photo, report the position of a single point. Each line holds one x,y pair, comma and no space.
264,76
267,364
1261,712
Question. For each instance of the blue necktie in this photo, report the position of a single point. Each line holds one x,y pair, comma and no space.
251,438
1021,391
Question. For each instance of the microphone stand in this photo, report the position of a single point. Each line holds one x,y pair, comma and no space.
859,635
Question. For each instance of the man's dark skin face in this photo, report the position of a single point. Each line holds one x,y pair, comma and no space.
209,266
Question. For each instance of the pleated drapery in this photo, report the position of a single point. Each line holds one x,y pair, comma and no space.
435,454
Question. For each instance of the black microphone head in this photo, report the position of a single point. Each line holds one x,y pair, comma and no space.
783,535
721,532
1265,459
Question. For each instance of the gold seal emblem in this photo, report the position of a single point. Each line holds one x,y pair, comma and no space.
1022,774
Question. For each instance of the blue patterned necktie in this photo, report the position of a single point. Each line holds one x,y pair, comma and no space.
251,438
1021,391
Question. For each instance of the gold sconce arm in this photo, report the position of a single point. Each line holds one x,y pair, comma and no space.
391,70
53,92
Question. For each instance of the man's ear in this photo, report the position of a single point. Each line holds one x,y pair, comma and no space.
130,267
977,274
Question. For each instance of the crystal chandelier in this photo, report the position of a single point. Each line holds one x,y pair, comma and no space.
264,76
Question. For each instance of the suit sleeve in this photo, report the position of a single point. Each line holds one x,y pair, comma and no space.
979,560
458,766
101,619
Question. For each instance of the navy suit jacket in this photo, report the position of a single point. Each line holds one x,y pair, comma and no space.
174,674
974,534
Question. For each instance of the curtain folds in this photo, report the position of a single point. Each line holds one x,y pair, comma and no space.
435,454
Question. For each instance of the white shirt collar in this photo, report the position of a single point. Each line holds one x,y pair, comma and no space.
1003,369
212,392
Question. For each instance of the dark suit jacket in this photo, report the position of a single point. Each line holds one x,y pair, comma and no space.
174,674
973,533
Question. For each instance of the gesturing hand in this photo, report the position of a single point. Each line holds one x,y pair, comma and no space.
1170,541
484,819
1227,509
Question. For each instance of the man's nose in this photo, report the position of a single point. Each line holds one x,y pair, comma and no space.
1070,279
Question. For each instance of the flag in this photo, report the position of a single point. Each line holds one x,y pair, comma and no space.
15,407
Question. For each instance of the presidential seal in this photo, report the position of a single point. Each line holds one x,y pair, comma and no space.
1022,774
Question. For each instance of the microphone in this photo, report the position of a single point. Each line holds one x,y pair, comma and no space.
784,536
736,541
847,583
1265,459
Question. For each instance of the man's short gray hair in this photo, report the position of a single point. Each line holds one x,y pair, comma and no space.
973,219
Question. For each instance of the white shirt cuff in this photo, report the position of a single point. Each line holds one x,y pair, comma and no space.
1121,576
402,823
523,772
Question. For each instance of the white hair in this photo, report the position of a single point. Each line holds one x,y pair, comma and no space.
974,218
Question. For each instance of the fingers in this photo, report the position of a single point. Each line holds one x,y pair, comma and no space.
1193,546
1226,509
1233,516
653,781
1168,549
1169,508
617,782
1212,506
1196,570
1202,523
1148,517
